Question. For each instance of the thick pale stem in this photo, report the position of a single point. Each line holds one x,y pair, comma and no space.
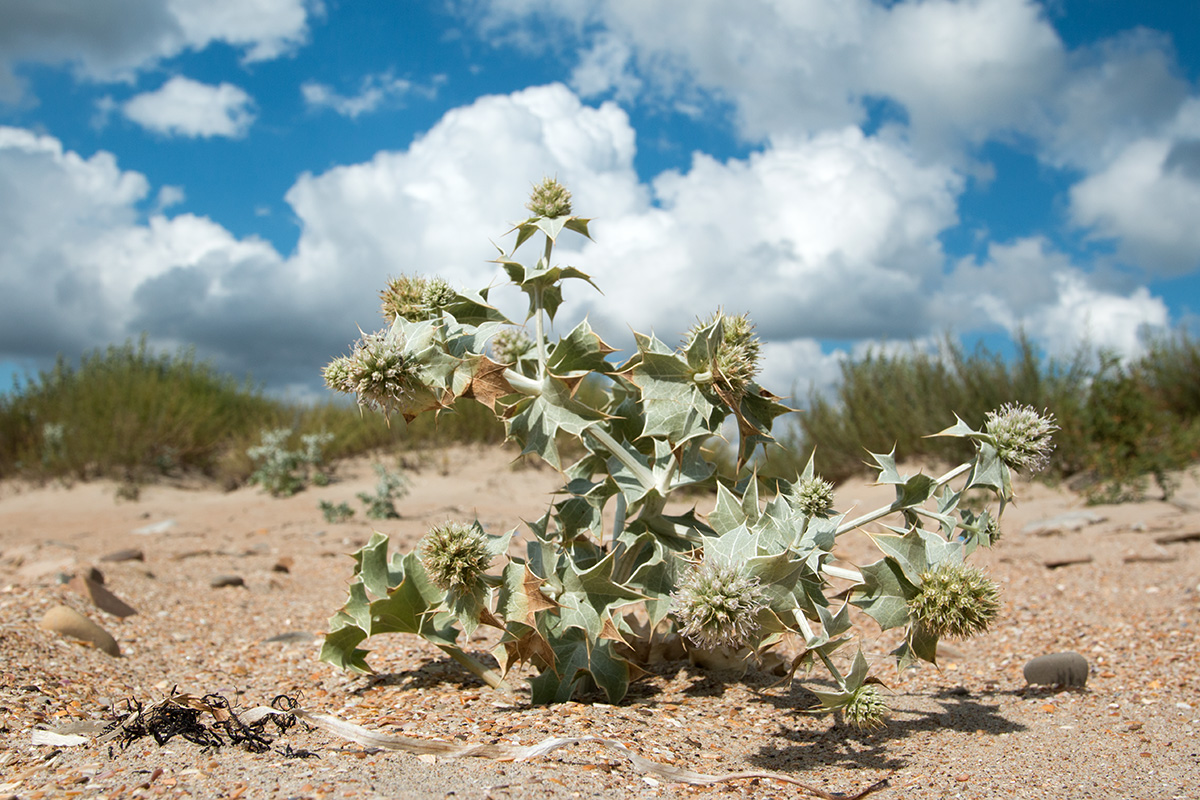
618,518
639,470
880,513
537,302
488,676
526,386
540,331
843,573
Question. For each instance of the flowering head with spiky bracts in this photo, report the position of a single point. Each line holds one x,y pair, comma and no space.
735,360
380,373
813,497
865,709
416,299
455,555
550,199
510,344
717,606
955,600
1022,436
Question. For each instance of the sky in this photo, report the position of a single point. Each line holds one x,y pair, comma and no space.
241,177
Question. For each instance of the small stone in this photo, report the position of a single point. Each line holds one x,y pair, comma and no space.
157,527
101,597
1057,669
284,564
227,580
128,554
68,622
94,575
1069,522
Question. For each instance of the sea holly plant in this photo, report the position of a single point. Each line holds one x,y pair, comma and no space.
612,572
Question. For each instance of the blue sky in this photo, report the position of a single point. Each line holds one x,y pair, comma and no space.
241,176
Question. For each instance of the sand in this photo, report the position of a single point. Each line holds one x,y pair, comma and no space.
1109,583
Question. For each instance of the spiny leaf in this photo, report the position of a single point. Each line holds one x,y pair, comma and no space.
885,593
591,595
675,406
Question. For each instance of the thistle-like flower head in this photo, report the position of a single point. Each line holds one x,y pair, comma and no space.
717,606
404,297
1022,436
735,362
955,600
455,556
865,709
337,374
550,199
380,373
437,294
510,344
814,497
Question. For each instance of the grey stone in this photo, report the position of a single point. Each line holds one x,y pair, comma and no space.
128,554
68,622
101,597
227,580
1057,669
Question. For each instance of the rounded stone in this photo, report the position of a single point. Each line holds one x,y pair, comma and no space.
1057,669
68,622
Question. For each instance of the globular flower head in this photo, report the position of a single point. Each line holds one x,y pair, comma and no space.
735,362
455,555
404,297
992,530
865,709
510,344
337,374
1022,436
380,373
955,600
814,497
550,199
437,294
717,606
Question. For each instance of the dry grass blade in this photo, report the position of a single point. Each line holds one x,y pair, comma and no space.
407,744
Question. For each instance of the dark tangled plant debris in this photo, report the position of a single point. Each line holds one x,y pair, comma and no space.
181,714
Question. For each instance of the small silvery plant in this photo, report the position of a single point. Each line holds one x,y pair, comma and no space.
609,565
335,513
390,487
283,472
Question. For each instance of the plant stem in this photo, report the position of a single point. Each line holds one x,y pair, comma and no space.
526,386
488,676
644,476
879,513
618,518
537,302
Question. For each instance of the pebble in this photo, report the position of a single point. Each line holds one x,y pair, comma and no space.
227,580
68,622
1061,669
100,597
157,527
128,554
1070,521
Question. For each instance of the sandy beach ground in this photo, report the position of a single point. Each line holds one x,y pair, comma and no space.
1119,585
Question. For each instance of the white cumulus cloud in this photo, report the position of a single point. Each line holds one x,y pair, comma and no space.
1148,200
374,92
1028,286
115,39
184,107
